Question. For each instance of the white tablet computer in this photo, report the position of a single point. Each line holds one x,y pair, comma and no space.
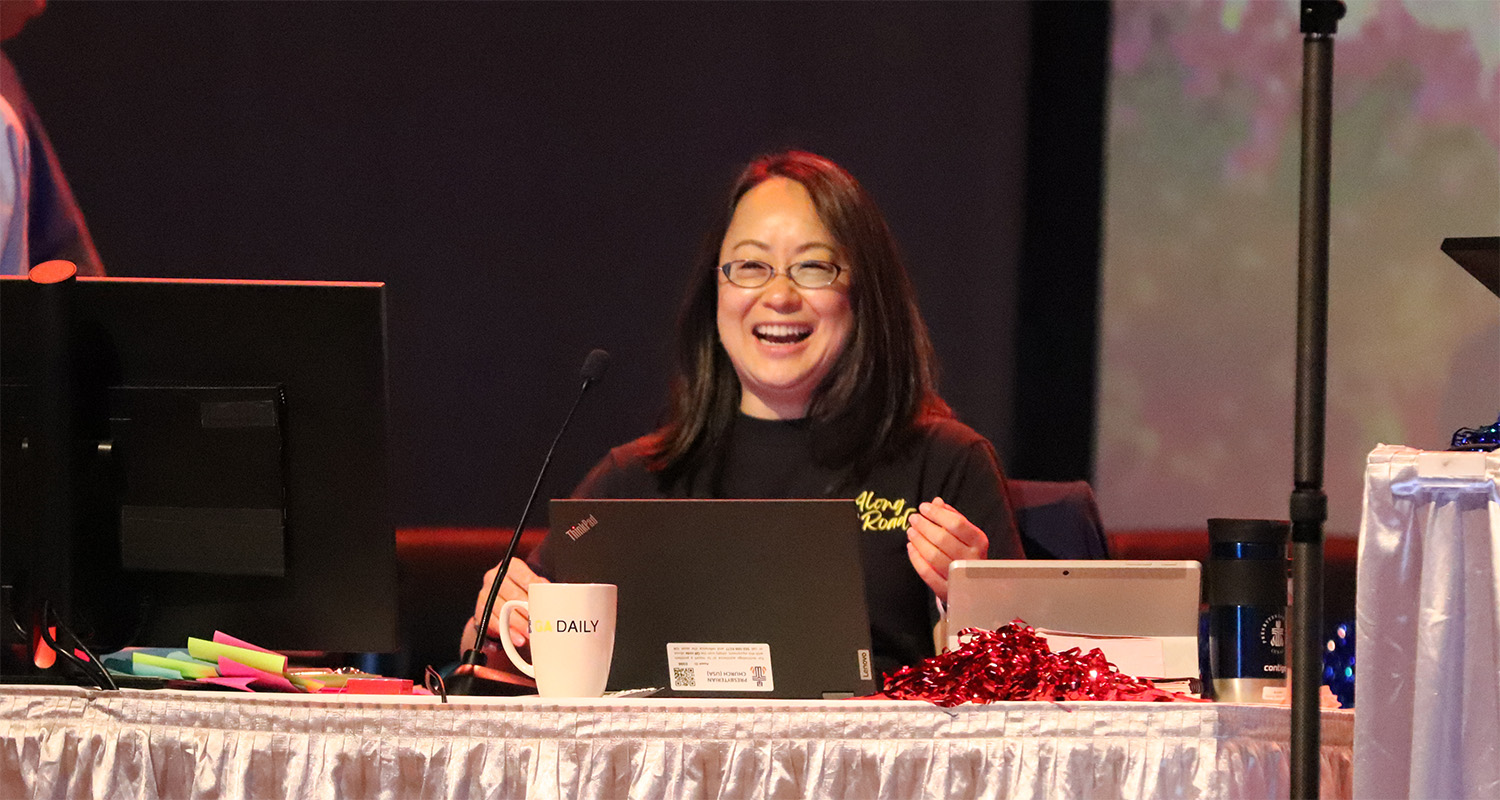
1156,600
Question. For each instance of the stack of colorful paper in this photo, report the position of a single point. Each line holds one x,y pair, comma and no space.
230,663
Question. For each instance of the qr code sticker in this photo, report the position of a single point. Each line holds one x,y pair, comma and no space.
684,677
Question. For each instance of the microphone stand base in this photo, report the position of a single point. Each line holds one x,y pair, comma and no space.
478,681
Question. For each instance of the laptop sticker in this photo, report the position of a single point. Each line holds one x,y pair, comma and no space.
720,667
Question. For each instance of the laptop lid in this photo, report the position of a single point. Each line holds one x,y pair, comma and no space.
725,598
1156,600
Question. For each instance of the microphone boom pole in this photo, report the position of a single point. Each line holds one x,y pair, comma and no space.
1309,505
466,679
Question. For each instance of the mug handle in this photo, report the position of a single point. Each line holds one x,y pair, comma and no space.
510,649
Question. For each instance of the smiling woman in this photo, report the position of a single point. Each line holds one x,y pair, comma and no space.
804,370
782,336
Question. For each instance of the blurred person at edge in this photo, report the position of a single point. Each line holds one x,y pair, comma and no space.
39,219
804,370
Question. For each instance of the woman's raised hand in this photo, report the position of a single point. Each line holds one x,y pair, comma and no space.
938,536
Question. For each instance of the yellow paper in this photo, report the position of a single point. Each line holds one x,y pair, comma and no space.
274,663
189,669
306,683
333,679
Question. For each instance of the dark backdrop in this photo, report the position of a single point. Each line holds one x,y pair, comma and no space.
531,181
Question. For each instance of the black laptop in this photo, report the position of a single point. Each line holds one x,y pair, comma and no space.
725,598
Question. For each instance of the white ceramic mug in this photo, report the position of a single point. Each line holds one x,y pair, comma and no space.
572,637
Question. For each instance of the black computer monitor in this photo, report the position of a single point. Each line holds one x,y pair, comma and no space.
225,466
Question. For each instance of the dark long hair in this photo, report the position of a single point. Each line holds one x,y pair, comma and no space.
884,382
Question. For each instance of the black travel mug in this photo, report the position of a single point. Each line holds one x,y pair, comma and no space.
1246,589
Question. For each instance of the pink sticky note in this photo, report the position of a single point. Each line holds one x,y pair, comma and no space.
378,686
260,679
242,684
221,637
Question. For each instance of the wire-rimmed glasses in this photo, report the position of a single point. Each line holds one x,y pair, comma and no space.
749,273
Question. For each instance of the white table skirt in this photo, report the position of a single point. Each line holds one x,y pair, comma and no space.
1428,626
76,743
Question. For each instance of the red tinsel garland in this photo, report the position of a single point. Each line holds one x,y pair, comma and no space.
1014,663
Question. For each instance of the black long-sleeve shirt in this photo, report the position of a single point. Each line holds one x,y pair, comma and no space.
771,459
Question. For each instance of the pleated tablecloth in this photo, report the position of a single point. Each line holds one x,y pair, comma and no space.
63,742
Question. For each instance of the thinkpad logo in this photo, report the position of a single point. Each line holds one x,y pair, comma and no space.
583,526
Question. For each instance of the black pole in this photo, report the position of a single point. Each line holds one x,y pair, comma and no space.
466,679
1309,505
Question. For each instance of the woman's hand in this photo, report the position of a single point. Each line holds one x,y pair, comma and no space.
939,535
518,580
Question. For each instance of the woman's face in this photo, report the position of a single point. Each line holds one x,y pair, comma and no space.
782,339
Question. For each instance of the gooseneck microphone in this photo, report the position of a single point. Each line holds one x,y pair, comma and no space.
465,679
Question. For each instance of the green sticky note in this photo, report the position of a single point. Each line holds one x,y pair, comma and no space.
148,671
274,663
189,669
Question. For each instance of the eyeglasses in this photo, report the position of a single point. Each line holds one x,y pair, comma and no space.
751,274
